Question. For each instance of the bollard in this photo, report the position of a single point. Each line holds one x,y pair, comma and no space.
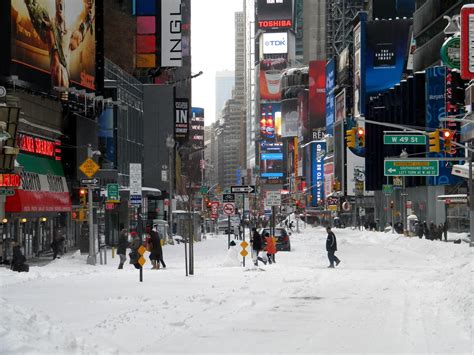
113,252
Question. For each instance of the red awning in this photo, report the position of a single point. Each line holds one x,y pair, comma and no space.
38,201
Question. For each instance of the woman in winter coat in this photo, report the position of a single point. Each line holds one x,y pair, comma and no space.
134,245
270,248
122,246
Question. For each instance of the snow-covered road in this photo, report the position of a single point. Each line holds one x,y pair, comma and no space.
390,294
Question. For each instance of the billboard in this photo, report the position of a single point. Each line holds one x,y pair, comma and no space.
273,14
340,106
270,78
303,117
271,161
57,38
171,53
289,112
330,86
317,98
107,142
197,128
318,152
181,119
343,66
390,9
270,121
358,85
275,43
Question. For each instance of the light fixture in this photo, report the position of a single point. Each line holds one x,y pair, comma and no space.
23,220
4,220
43,219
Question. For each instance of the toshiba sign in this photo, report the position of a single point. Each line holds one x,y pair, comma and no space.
275,43
272,14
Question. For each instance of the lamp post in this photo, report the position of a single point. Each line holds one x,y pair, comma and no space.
170,143
404,155
91,258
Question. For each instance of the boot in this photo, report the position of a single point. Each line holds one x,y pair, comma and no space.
153,262
120,266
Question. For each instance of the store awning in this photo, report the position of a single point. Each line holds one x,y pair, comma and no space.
43,186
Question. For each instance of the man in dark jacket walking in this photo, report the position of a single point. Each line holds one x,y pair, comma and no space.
122,246
18,259
156,251
331,247
257,246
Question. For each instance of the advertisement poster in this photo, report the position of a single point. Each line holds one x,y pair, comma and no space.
330,85
303,117
358,82
270,78
271,161
274,14
181,119
340,105
56,38
318,152
317,96
270,121
171,33
289,112
197,128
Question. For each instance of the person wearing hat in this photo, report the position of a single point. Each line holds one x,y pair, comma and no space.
134,245
331,247
156,251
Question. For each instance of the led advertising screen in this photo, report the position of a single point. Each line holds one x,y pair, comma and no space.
197,128
318,152
271,161
270,78
270,121
390,9
330,86
273,14
56,37
289,112
303,117
317,96
340,106
275,43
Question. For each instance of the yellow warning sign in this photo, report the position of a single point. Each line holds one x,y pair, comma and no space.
89,167
141,261
244,253
141,250
244,244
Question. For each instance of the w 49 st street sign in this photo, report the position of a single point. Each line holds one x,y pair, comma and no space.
418,167
404,139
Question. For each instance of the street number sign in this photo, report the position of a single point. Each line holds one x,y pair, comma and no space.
89,167
419,167
410,139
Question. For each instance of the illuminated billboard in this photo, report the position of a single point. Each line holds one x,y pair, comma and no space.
197,128
270,121
270,78
317,98
391,9
56,37
271,161
273,14
275,43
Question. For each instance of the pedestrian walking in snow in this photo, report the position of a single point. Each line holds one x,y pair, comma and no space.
134,245
270,248
156,251
331,247
58,242
18,259
257,246
122,246
426,230
445,231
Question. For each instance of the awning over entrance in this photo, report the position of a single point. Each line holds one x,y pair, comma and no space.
43,186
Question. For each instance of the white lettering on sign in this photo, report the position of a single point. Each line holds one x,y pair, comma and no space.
171,33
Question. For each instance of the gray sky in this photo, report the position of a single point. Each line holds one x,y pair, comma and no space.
212,47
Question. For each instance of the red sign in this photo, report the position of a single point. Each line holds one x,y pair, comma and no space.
214,209
467,42
229,208
167,202
38,145
37,201
275,24
109,206
10,180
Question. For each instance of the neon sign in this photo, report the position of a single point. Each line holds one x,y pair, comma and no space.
38,145
10,180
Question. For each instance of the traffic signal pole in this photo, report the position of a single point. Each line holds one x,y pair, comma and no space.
91,258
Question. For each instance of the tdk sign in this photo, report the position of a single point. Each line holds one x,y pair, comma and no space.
275,43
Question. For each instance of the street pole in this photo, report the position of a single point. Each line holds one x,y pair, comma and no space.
170,145
471,202
91,258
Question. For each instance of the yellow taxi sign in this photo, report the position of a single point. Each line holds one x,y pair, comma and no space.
141,261
244,244
141,250
244,253
89,167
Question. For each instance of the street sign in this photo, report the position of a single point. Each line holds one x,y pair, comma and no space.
228,198
228,208
135,179
397,182
467,42
7,192
410,139
135,199
242,189
203,190
387,189
89,167
214,209
113,193
3,91
90,181
419,167
273,198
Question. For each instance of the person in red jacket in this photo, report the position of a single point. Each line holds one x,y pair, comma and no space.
270,247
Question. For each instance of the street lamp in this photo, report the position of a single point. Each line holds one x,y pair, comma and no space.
91,258
170,143
403,155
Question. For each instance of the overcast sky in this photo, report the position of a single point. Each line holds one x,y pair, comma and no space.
212,46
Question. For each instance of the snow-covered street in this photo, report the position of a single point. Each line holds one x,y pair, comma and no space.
390,294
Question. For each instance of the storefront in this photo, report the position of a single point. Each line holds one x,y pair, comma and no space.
40,206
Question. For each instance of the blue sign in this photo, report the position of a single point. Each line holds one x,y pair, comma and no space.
318,152
330,85
135,199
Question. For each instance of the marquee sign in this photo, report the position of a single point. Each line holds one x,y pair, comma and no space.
36,145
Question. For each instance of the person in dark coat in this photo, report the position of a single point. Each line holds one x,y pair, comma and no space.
331,247
257,246
419,230
18,259
134,245
58,242
426,230
122,246
445,231
156,251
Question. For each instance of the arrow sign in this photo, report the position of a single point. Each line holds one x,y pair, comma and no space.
91,181
242,189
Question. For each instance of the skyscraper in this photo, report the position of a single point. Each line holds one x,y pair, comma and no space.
224,85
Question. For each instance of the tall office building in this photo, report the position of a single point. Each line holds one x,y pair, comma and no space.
225,81
314,30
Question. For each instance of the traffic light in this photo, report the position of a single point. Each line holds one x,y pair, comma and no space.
392,204
434,141
350,138
448,136
83,196
361,136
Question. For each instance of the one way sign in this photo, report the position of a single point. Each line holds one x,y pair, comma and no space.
90,181
242,189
